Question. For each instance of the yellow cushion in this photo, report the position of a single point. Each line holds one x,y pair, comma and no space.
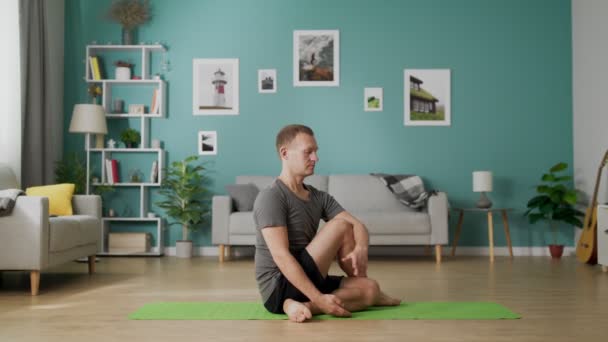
60,197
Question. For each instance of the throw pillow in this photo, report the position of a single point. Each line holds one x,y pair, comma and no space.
60,197
243,195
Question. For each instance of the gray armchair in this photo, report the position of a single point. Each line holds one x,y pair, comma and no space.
32,241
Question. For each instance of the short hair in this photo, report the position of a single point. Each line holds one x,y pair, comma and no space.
289,132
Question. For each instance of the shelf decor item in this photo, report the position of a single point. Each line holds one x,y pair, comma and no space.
185,202
130,137
130,14
482,182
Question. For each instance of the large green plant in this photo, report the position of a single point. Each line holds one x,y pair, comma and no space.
184,191
555,201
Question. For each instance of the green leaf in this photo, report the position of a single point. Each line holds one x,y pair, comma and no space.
537,201
547,208
563,178
543,189
547,177
570,197
559,167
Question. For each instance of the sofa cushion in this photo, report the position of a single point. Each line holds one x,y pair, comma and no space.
260,181
395,222
60,197
242,223
72,231
364,193
243,195
318,181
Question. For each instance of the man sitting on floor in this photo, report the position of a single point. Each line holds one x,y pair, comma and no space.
292,259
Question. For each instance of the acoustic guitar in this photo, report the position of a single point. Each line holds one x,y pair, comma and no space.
586,249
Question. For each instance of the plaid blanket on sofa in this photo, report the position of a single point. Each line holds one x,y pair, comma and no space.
7,200
408,189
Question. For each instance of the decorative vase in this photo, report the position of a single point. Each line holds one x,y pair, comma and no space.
556,251
128,36
183,248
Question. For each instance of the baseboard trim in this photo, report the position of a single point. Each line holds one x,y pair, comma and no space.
398,251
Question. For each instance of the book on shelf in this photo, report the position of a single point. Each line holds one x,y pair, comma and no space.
94,65
112,171
154,172
155,101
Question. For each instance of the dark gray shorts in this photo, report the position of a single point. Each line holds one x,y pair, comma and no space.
284,289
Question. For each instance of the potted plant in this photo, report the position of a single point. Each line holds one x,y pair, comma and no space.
555,203
129,14
184,200
130,137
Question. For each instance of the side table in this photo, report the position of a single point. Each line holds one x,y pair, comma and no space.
489,211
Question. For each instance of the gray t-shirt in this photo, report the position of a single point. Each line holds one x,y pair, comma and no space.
277,206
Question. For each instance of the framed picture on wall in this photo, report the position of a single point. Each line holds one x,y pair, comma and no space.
207,143
316,58
215,88
267,81
426,95
372,99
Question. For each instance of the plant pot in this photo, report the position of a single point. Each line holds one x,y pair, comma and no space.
556,251
183,249
131,145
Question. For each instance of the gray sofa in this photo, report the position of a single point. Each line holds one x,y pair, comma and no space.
366,197
32,241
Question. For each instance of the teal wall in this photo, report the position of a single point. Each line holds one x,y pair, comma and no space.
511,90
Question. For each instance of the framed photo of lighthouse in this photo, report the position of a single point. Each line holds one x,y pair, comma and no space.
215,88
316,58
426,94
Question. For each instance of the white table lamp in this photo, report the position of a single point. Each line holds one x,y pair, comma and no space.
88,118
482,182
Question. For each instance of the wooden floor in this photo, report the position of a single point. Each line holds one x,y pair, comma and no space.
559,301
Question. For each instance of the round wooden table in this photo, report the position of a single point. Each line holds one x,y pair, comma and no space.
489,211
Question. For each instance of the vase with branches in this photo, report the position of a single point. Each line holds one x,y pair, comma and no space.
130,14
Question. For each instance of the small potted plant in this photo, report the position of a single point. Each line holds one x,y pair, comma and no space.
130,137
185,200
555,203
129,14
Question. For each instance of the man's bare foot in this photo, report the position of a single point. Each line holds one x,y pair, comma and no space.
296,311
386,300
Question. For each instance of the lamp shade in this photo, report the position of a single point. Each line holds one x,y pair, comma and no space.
88,118
482,181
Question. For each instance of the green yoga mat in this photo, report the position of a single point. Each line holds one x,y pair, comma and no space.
256,311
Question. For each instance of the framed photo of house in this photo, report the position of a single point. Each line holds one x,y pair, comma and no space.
215,88
426,95
372,99
316,58
207,143
267,81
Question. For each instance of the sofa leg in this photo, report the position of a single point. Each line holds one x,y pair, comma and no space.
221,253
91,264
34,282
438,254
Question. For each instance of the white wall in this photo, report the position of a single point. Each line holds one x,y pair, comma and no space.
10,83
590,93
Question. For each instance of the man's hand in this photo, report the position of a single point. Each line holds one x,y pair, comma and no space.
358,259
332,305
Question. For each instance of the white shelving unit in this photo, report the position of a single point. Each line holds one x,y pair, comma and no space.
106,153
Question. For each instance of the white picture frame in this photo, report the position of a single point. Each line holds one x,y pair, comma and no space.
373,100
316,58
267,81
207,143
427,92
215,88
